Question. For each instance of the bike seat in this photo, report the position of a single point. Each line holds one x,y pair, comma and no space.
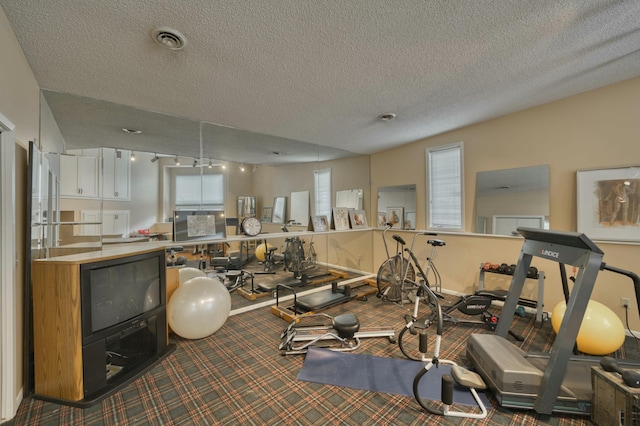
436,243
398,238
347,325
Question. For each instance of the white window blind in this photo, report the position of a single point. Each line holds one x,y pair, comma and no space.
444,180
199,190
322,184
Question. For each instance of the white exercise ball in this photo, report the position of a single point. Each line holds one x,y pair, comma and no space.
185,274
198,308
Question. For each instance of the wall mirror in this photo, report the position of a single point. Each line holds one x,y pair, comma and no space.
237,163
279,210
300,208
509,198
350,198
397,203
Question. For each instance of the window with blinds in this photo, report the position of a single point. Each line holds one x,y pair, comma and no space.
322,186
445,183
199,191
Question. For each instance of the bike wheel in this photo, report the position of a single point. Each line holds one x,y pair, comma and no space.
390,276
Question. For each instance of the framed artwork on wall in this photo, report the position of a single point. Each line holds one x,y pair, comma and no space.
382,219
267,212
358,219
395,216
340,218
409,219
608,203
320,223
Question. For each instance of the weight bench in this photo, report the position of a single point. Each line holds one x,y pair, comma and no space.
343,334
311,303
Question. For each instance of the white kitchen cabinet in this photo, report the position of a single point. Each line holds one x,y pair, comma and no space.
114,222
116,174
79,176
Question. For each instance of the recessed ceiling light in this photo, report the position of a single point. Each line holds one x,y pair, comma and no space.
132,131
386,117
169,38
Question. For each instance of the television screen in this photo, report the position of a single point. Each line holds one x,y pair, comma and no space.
117,291
193,225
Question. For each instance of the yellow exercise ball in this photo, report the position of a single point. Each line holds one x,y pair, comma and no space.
601,331
261,251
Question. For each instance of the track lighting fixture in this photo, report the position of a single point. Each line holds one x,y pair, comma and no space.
255,168
133,156
241,167
195,162
177,161
118,153
155,158
210,164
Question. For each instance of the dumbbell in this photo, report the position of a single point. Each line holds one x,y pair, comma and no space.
629,377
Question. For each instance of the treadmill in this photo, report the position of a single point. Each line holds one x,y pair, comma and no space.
558,381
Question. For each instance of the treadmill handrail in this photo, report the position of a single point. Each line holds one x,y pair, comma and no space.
634,277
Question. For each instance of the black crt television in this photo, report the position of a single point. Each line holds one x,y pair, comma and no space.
121,294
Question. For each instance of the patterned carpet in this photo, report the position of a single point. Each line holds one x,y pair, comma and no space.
237,376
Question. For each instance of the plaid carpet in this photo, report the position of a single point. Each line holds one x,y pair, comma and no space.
237,376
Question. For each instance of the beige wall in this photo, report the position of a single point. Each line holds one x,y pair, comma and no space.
19,103
597,129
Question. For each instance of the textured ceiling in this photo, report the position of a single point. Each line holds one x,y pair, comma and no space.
320,72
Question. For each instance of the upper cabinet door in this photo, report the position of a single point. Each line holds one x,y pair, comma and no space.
78,176
116,174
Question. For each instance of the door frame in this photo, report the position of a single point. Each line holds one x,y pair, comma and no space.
8,341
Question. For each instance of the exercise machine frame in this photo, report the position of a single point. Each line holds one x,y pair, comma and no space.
566,248
342,334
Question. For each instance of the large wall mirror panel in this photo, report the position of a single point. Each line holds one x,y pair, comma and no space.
397,205
506,199
153,152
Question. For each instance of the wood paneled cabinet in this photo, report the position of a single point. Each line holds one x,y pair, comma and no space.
99,321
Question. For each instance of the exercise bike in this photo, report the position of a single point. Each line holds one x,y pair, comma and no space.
458,374
396,275
408,336
295,259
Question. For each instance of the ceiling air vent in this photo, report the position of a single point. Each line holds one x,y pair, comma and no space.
169,38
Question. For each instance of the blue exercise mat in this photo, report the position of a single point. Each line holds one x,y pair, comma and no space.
379,374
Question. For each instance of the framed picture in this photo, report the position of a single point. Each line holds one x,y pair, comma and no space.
358,219
279,209
340,218
382,219
320,223
395,216
609,203
267,212
409,219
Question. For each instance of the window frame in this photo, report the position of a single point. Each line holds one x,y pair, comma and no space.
201,205
318,209
429,157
